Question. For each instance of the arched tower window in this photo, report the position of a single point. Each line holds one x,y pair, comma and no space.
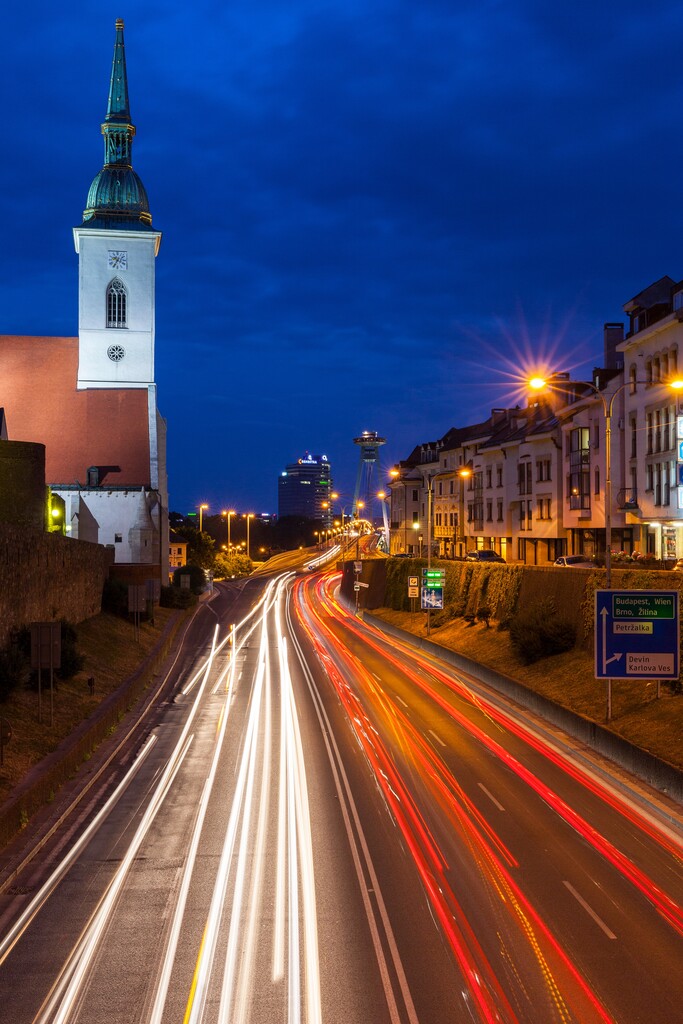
117,303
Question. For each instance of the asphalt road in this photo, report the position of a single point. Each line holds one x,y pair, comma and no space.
318,825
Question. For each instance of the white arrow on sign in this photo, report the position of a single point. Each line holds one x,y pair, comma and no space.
615,657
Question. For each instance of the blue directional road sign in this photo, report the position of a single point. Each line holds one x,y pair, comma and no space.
636,634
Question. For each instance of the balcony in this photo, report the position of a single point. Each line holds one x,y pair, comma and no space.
627,499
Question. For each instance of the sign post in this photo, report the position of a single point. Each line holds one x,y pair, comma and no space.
46,652
636,636
432,591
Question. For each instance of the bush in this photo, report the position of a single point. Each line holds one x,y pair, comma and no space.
538,631
115,598
174,597
196,574
13,669
72,659
484,614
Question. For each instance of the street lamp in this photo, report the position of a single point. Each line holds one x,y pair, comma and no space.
248,516
227,520
360,505
464,473
201,516
539,384
396,474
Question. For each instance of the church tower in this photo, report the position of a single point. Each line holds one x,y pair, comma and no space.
116,246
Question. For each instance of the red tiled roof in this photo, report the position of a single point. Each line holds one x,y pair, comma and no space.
97,427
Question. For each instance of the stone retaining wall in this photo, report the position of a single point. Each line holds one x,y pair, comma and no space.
45,577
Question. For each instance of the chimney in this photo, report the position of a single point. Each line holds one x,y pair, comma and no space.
613,335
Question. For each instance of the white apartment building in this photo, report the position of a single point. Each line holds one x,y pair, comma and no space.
650,481
530,483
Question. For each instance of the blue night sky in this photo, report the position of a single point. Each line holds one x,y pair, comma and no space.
373,212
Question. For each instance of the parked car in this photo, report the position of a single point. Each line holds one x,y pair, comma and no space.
575,562
678,567
485,555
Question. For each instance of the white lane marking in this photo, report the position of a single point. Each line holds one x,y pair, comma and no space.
349,810
490,795
401,700
589,910
42,895
437,738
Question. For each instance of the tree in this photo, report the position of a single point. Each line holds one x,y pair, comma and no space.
200,548
228,566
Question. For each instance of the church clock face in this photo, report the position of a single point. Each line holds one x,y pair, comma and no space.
117,259
116,353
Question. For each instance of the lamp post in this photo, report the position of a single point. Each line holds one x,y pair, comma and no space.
396,474
360,505
248,516
228,516
464,473
201,516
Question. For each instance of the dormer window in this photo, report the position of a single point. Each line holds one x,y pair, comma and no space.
117,304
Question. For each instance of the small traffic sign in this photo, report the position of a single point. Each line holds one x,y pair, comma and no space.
433,574
413,591
432,597
412,581
636,634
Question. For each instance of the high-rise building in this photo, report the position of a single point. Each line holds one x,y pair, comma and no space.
304,489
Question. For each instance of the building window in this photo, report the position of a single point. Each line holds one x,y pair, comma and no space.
118,538
543,470
488,476
673,361
499,476
633,377
579,474
524,472
500,510
649,434
489,511
665,430
416,495
543,506
117,313
596,477
648,372
596,435
634,436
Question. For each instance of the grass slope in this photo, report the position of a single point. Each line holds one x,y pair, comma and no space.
654,725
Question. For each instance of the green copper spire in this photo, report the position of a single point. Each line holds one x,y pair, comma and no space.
118,109
117,197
